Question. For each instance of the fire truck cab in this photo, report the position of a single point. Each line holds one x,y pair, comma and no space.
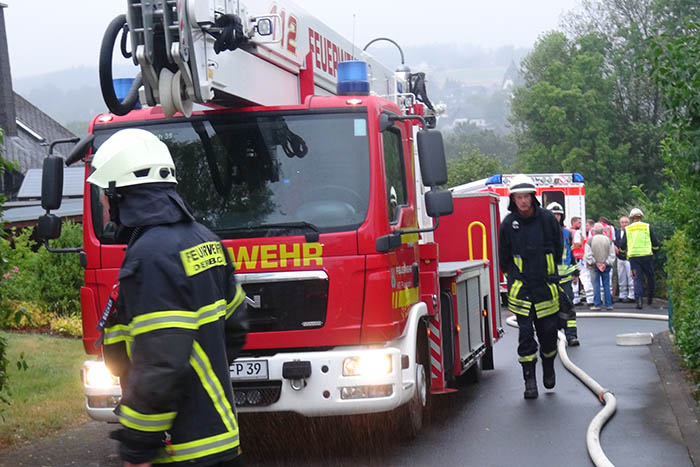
326,200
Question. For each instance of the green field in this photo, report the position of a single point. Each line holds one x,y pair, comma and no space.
48,396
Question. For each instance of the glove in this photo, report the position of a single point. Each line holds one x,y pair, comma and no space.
138,447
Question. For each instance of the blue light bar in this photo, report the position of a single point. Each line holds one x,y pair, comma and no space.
494,179
353,78
577,177
121,89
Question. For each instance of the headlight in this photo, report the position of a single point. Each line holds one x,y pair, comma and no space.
97,375
367,365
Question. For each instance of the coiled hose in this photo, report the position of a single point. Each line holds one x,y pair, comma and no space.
105,69
605,396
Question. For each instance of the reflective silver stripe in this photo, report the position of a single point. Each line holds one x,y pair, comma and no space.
146,424
214,312
434,361
116,335
189,451
138,327
218,397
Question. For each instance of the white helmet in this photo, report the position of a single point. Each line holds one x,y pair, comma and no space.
132,157
636,212
521,184
555,208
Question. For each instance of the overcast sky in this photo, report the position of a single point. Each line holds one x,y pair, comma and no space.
50,35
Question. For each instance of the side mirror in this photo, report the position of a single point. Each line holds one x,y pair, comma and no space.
48,227
388,242
438,203
80,150
52,183
431,153
385,122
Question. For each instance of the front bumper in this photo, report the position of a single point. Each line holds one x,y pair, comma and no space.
324,392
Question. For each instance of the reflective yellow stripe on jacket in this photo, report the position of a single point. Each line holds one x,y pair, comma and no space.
214,444
237,300
145,422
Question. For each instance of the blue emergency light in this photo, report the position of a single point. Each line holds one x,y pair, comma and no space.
121,89
577,177
494,179
353,78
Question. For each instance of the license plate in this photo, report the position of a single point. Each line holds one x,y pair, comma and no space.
249,370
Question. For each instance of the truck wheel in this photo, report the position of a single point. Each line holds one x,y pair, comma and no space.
414,414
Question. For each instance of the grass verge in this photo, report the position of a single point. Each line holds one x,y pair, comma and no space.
48,396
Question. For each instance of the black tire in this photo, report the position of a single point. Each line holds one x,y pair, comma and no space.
412,416
473,374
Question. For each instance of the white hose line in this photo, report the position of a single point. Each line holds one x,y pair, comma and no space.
604,396
613,314
595,451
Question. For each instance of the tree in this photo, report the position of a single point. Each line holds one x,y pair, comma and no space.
485,141
564,119
674,55
626,26
471,165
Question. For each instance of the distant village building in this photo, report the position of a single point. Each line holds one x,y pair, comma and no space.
27,134
512,77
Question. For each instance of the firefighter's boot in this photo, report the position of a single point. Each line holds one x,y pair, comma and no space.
530,380
548,377
640,303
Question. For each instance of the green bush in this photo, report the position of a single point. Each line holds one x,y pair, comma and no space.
39,283
684,279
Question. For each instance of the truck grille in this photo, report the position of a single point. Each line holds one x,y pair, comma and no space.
286,305
257,394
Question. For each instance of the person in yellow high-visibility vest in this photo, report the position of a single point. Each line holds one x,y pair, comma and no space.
639,244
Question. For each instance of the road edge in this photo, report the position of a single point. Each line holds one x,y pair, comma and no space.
679,392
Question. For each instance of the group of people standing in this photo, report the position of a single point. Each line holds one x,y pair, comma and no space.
631,247
545,264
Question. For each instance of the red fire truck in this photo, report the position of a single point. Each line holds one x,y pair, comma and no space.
317,167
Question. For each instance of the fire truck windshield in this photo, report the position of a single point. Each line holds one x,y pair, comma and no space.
246,172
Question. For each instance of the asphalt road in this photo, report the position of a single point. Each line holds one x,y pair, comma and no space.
485,424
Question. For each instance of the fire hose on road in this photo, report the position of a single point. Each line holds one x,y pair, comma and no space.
605,396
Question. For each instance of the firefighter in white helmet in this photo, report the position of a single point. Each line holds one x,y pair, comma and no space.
178,320
568,269
530,247
639,244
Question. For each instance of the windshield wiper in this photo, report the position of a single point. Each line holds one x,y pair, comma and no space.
310,236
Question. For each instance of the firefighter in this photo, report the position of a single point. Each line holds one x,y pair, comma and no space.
568,270
530,247
639,244
179,314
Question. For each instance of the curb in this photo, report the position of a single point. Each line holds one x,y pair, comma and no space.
679,393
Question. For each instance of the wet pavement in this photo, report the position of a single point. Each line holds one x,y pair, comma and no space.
486,424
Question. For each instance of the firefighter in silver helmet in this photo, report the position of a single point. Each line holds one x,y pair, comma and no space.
179,318
567,270
530,247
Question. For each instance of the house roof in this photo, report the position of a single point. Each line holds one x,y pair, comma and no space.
73,183
35,130
69,208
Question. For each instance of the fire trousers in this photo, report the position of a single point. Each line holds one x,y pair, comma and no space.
546,328
643,265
